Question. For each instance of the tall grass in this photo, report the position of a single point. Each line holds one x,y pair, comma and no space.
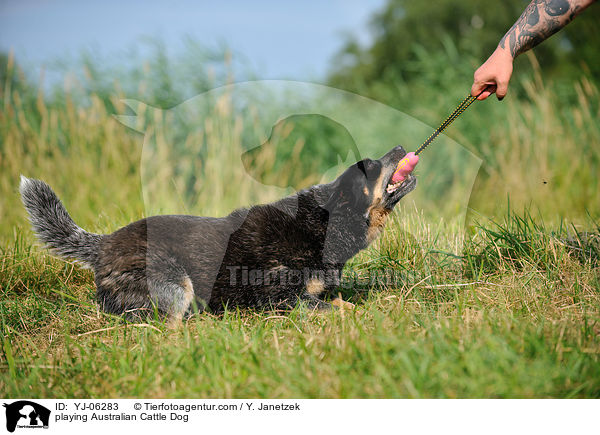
547,154
540,150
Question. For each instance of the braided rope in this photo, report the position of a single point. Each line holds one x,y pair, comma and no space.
455,114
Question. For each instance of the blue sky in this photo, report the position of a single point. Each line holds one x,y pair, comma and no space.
280,40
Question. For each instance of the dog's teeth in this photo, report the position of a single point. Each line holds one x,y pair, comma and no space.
393,187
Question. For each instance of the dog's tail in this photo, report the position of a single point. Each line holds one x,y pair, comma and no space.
53,225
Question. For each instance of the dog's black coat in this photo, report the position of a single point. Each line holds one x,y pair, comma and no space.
267,256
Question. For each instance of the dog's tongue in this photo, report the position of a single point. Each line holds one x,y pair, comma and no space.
405,167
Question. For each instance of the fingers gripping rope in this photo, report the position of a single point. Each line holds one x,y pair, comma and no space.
408,163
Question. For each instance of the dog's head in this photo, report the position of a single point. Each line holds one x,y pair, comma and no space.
365,189
367,184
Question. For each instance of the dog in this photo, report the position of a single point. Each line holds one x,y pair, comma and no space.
270,256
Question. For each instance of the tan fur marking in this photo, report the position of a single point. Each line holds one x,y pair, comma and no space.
176,315
189,291
340,303
377,219
378,190
377,214
314,287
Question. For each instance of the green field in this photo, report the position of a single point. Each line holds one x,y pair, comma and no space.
505,304
516,317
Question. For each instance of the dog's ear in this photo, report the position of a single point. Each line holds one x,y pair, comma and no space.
336,198
370,168
347,189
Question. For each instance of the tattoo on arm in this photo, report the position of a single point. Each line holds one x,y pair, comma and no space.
540,20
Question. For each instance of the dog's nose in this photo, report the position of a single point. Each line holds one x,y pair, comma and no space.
400,148
394,154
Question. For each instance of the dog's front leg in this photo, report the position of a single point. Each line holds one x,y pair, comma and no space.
340,303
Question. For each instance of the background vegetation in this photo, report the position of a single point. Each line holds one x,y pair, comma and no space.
507,308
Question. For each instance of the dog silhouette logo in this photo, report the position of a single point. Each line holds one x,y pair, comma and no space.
26,414
286,144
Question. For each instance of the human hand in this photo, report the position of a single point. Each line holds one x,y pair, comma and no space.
494,73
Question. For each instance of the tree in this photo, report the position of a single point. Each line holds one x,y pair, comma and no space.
403,28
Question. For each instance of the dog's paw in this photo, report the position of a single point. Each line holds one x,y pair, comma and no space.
342,304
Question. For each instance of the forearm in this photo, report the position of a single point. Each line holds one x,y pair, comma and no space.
540,20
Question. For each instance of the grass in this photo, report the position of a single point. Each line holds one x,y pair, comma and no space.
508,308
498,321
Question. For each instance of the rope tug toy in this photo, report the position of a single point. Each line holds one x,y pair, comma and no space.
408,163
